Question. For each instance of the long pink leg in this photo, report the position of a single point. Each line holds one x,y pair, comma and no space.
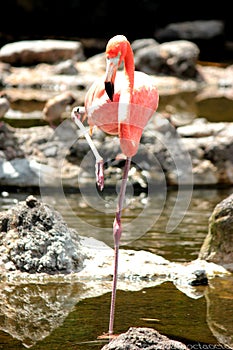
117,235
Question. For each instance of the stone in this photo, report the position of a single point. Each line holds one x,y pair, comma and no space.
34,238
218,245
143,338
31,52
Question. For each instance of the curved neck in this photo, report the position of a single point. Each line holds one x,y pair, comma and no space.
129,66
127,90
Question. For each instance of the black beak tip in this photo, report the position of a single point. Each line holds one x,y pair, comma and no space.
109,88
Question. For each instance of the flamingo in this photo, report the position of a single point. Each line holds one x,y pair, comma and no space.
119,103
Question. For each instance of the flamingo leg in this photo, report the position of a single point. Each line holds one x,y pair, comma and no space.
117,230
99,166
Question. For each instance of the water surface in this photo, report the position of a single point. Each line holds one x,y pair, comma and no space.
51,317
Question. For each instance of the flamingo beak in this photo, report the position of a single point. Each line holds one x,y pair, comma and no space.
111,69
109,88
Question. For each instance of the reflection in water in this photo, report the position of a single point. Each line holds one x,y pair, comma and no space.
31,312
220,309
37,313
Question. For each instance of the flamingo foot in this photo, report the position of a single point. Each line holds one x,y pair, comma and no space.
107,336
99,172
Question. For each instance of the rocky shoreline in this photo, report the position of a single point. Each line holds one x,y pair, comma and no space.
192,128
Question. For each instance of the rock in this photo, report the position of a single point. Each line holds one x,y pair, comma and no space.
4,104
195,154
181,57
56,106
178,58
141,43
207,34
66,68
8,145
218,245
143,338
191,30
148,59
34,238
31,52
198,88
200,278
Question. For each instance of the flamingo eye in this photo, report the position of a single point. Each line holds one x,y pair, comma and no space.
114,60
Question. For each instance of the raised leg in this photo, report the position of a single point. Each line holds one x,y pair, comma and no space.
117,235
76,115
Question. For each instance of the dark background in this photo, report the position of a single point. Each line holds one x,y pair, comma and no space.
74,19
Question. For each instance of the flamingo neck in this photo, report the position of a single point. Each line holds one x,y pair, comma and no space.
129,67
126,95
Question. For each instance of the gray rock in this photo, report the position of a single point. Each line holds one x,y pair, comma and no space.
218,245
143,338
189,30
34,238
30,52
177,58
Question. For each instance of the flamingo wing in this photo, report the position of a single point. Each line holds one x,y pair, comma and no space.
101,112
144,102
104,113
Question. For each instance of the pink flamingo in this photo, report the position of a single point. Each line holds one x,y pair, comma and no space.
120,103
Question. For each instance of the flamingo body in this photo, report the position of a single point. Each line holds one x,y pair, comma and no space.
137,108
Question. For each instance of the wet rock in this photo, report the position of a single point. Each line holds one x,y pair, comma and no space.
34,238
218,245
143,338
199,278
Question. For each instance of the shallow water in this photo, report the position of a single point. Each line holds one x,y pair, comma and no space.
51,317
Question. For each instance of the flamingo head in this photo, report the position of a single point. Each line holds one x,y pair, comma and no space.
115,53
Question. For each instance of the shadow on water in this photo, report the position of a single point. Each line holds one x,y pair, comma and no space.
67,316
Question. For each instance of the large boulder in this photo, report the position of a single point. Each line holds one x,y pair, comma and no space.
218,245
35,238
